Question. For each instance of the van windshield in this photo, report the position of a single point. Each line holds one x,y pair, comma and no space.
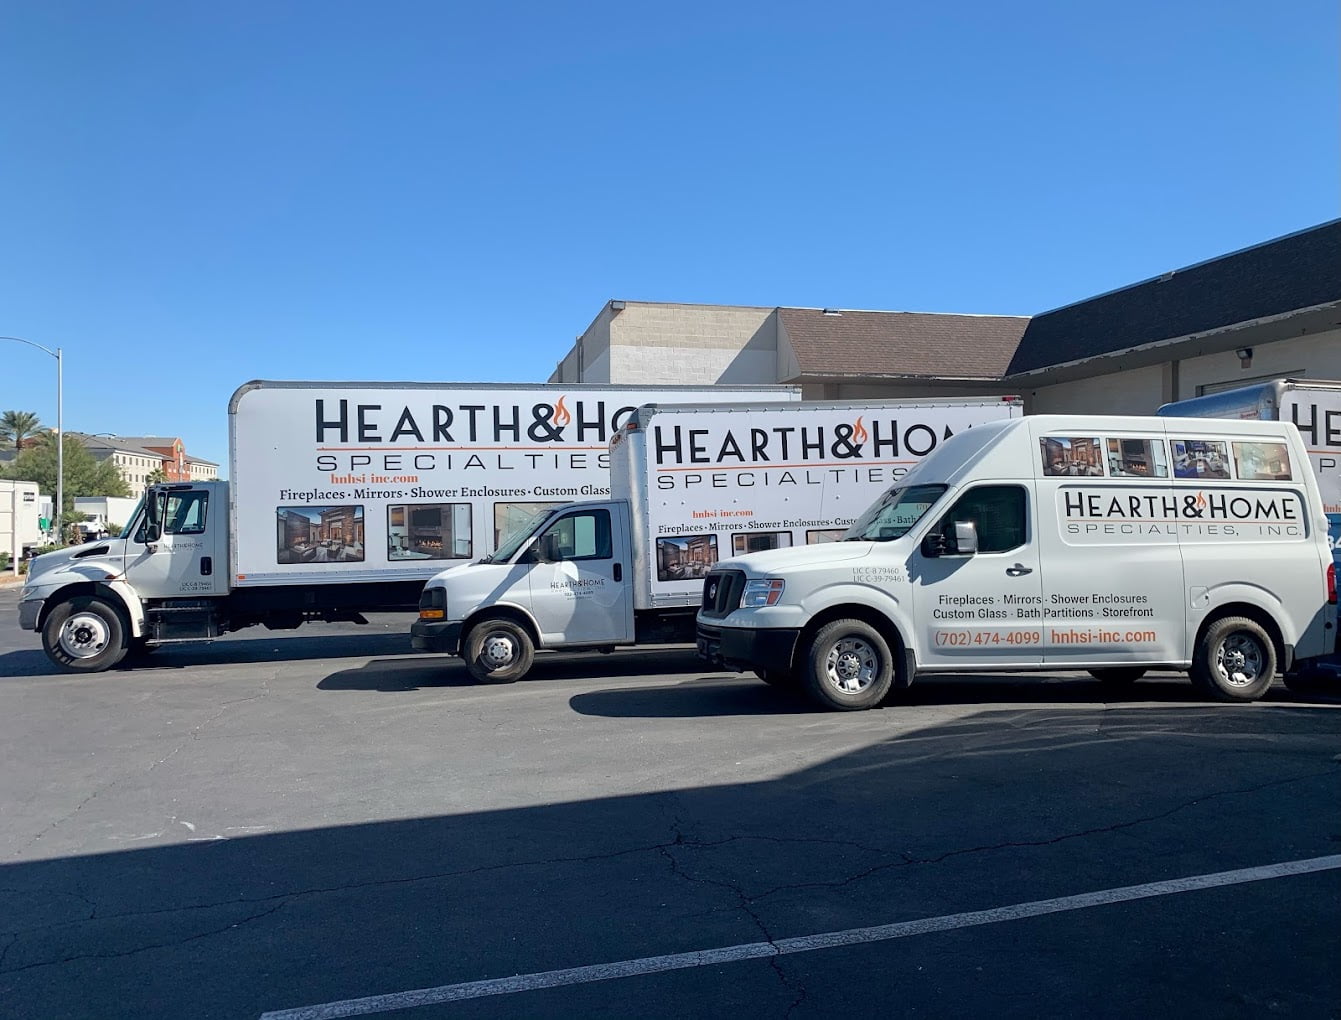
513,540
894,514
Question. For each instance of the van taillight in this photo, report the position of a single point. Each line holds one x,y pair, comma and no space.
1331,582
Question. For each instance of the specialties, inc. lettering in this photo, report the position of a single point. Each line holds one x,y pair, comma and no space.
1201,513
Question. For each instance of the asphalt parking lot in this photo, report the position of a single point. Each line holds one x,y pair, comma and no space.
326,824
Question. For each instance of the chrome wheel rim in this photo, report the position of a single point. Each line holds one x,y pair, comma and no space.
84,635
851,665
1240,659
499,650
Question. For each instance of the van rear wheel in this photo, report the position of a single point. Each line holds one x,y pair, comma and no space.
498,651
1235,660
850,666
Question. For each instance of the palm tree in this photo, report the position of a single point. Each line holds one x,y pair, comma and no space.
16,426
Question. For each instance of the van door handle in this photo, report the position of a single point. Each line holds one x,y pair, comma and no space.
206,565
1018,570
619,572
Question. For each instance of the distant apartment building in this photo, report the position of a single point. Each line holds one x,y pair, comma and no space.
138,457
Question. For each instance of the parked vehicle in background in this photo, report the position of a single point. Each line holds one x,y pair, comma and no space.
344,498
20,527
1109,544
1313,405
691,485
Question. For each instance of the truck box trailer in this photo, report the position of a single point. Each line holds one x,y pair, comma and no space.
1313,405
1056,542
691,485
343,499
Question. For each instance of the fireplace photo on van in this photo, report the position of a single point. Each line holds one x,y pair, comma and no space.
685,558
429,531
319,534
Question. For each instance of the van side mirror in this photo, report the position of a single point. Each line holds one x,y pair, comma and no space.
933,546
966,538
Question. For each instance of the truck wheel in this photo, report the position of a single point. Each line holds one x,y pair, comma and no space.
1118,676
851,666
84,635
498,651
1234,661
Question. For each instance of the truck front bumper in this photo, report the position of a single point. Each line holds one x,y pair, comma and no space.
30,611
741,648
435,636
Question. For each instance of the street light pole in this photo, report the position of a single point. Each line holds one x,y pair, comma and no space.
60,433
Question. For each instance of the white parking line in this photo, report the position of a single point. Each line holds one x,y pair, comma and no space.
803,944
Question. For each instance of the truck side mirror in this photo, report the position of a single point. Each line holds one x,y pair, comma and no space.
154,502
966,538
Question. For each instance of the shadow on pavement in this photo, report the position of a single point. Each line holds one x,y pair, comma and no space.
992,809
422,672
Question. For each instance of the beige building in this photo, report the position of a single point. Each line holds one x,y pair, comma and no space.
138,457
1265,312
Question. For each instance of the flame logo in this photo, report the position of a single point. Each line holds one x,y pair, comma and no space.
1201,501
561,415
859,433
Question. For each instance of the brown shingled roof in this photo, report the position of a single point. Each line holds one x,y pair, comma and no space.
917,344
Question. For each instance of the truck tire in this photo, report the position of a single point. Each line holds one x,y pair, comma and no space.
850,666
1118,676
1234,661
85,635
498,651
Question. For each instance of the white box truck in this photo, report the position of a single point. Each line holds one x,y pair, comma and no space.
344,498
691,485
1313,405
1070,542
20,509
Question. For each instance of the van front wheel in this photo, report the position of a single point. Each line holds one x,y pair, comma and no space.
1235,660
498,651
850,666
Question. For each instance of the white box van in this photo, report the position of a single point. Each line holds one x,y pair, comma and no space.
1108,544
690,484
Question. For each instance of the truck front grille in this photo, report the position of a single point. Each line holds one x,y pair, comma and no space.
721,592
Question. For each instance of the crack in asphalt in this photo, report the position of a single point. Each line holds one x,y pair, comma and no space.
191,736
170,944
745,901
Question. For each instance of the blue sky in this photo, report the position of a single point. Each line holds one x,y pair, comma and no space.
198,194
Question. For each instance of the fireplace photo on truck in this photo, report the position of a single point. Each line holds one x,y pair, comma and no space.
429,531
319,534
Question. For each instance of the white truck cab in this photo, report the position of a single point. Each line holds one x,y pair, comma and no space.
1107,544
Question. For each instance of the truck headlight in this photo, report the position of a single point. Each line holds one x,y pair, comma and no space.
761,591
433,604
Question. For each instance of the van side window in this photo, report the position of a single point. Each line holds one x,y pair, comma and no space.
1072,455
1262,461
1137,458
579,536
999,513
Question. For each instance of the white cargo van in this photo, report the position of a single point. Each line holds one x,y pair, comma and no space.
1108,544
690,485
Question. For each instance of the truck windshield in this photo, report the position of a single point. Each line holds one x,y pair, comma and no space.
513,540
128,528
894,514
